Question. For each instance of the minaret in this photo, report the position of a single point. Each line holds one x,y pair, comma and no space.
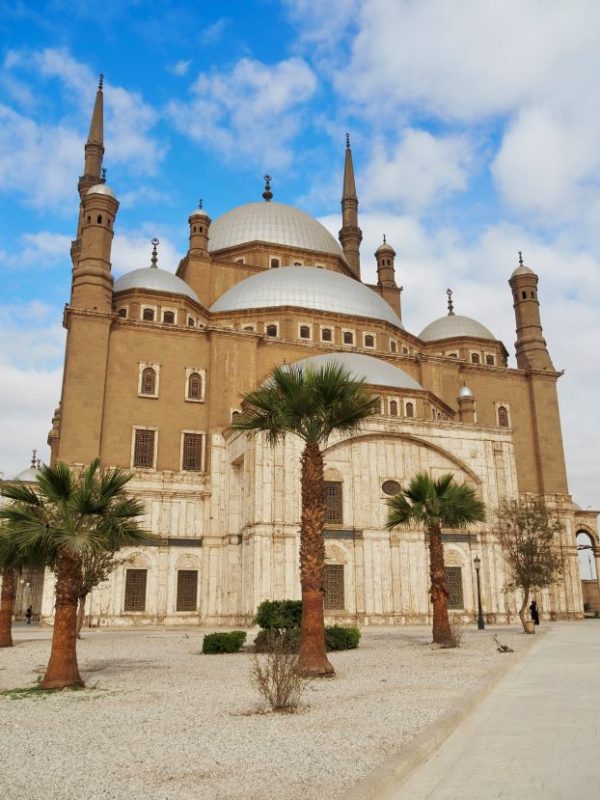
386,271
350,234
199,223
466,406
530,347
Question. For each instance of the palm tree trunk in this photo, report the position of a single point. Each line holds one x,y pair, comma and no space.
7,600
312,659
523,609
81,614
439,591
62,668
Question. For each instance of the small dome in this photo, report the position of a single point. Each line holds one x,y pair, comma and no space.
385,247
157,280
454,326
101,188
361,367
199,212
275,223
307,287
465,393
28,475
522,269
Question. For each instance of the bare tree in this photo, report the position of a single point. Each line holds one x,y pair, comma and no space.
528,532
95,569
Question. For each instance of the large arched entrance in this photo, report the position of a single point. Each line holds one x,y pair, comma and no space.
588,572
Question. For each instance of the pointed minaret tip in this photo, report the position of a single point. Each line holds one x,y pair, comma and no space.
349,188
96,134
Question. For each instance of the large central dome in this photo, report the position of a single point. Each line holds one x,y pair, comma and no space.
307,287
271,222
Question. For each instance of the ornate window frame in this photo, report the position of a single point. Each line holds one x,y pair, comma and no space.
145,307
202,455
155,453
142,365
190,371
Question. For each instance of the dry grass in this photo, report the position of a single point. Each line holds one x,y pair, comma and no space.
276,678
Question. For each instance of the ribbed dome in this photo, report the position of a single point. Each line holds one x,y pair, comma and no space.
454,325
159,280
271,222
372,370
307,287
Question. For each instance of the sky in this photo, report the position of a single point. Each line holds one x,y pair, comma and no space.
474,126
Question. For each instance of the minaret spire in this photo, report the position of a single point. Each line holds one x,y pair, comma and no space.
96,134
350,234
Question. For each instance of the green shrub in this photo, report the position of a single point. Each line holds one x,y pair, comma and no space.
288,641
229,642
279,614
338,638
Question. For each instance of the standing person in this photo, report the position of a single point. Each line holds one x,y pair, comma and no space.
29,614
535,614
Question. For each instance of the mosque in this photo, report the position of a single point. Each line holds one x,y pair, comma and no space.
156,362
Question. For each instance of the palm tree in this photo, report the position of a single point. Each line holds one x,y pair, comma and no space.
11,563
433,504
64,517
312,404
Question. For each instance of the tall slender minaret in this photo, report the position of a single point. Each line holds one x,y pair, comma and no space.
530,347
350,234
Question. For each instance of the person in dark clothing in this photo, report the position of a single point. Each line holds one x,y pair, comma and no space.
29,614
535,614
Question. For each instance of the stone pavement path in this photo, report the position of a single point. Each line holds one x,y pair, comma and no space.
535,737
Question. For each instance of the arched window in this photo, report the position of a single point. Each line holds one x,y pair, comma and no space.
297,263
393,408
274,263
122,312
369,340
475,358
89,219
489,360
190,322
99,220
271,330
348,337
333,502
393,346
248,328
195,386
148,384
503,416
304,332
524,295
585,551
148,314
169,317
409,409
326,335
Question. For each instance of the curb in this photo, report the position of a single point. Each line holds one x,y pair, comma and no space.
381,781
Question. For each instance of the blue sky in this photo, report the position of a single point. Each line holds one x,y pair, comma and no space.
474,131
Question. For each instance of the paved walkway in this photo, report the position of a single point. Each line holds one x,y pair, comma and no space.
535,737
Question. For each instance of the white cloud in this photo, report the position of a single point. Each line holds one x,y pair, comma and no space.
133,250
251,112
419,171
180,68
39,251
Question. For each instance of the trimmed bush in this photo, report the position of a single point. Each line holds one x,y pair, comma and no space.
229,642
279,614
338,638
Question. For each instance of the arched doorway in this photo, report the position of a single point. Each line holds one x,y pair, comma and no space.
588,572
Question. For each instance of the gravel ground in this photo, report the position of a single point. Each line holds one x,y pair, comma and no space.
163,722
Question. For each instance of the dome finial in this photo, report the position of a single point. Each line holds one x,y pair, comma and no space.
103,178
450,303
100,81
200,201
154,259
268,194
384,239
348,141
520,258
33,457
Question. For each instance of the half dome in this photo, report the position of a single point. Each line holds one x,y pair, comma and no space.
157,280
307,287
361,367
454,326
276,223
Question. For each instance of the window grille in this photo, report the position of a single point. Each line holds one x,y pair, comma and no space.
334,587
135,589
271,330
502,417
326,335
348,337
148,381
192,452
304,332
187,589
333,502
455,587
369,341
195,386
169,318
410,410
148,314
143,451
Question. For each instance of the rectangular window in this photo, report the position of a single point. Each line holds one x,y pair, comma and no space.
455,587
135,589
333,502
192,452
143,451
187,589
334,587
